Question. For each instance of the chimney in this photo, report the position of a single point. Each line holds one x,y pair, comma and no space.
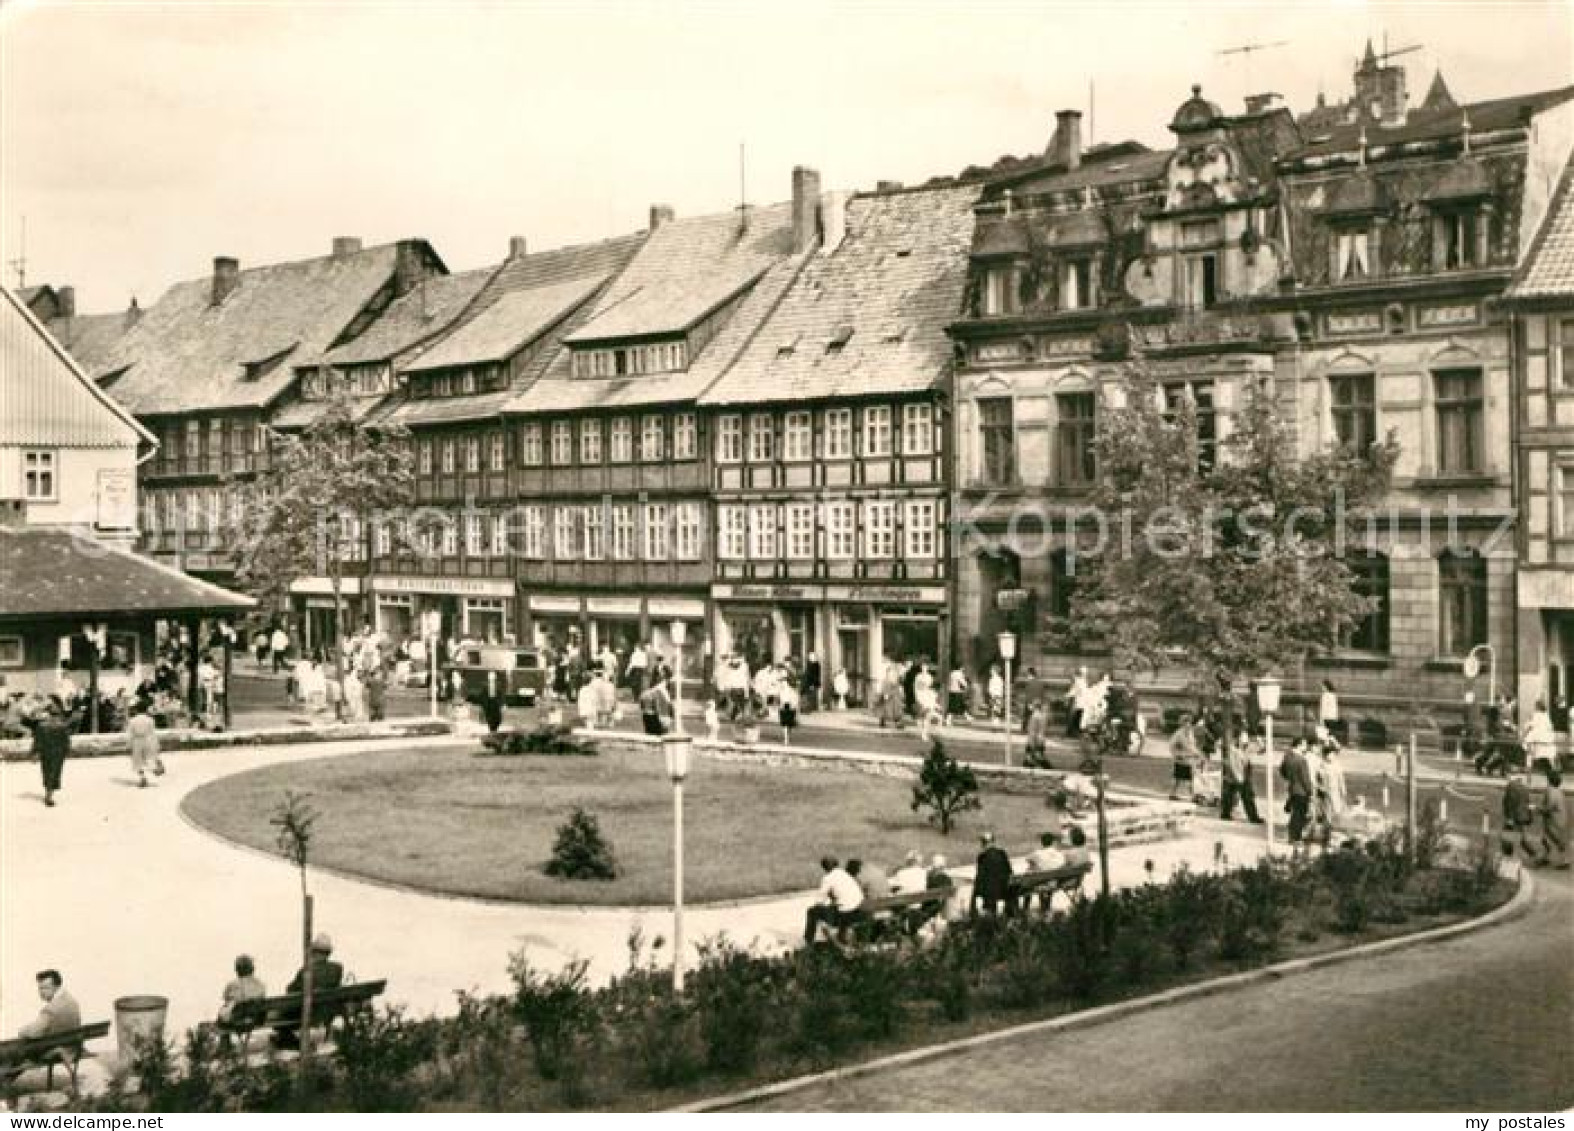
409,266
518,247
833,220
133,313
1065,147
1264,102
887,186
345,246
661,214
805,206
66,301
226,273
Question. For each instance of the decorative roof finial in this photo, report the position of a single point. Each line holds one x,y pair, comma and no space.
1363,147
1464,126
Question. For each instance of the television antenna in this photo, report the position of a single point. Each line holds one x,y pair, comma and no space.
19,264
1247,50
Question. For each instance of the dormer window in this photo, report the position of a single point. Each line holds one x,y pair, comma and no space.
1352,255
1077,284
631,361
1001,290
1455,238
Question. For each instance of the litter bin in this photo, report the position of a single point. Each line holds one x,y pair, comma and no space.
138,1021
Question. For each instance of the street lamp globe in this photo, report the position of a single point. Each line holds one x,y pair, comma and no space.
1268,695
1007,642
676,749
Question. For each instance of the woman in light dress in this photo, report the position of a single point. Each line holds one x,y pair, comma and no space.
142,733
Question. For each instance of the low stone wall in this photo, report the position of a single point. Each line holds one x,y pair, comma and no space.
110,745
1131,819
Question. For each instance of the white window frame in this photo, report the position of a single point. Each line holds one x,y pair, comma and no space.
472,455
877,431
593,530
918,429
657,532
652,439
685,436
565,534
475,536
620,444
500,547
879,529
497,452
762,437
562,443
531,449
450,538
800,531
535,532
762,532
423,455
623,529
841,527
446,455
689,532
734,533
40,475
838,433
798,437
729,438
919,533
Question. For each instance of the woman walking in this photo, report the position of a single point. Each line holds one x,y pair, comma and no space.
142,735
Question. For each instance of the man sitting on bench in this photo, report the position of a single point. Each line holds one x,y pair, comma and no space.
60,1014
326,975
839,902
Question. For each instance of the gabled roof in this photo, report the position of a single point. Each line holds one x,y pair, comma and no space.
1111,168
425,311
90,338
52,572
512,322
869,316
686,242
46,399
1548,269
187,354
687,269
1485,117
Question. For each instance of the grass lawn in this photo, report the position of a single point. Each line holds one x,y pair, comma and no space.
451,821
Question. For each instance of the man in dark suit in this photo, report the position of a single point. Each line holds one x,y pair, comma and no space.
992,878
1298,778
52,742
326,975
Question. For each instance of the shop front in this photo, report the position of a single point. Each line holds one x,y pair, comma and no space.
316,612
596,621
854,628
469,608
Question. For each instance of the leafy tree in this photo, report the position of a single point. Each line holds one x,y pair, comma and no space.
313,509
945,787
1226,558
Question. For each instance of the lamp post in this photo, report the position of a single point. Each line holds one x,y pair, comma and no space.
1472,668
1268,703
679,634
676,749
1007,643
432,624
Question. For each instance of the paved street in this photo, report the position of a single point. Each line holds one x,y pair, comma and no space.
1483,1022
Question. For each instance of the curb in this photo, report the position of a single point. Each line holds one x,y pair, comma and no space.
115,744
1517,905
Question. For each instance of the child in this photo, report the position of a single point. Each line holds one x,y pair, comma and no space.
788,711
712,721
839,688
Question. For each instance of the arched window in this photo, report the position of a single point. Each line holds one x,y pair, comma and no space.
1370,633
1462,601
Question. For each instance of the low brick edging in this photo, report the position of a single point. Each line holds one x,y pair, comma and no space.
1517,905
1132,820
116,745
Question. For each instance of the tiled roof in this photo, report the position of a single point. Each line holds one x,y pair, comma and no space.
512,322
186,354
886,294
54,572
90,338
1422,125
1116,169
424,312
1548,270
46,399
687,269
303,413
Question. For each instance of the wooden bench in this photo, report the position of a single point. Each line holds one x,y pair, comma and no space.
1067,878
907,911
284,1011
65,1048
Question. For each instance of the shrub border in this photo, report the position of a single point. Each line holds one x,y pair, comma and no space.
115,745
1517,905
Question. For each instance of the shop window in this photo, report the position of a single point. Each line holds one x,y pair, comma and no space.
1074,439
12,654
529,446
1370,579
485,619
877,430
690,532
590,441
1459,421
797,437
620,448
1462,601
685,437
839,433
879,529
1353,405
840,525
595,533
38,475
729,439
762,438
918,429
762,532
562,443
997,441
734,533
919,529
